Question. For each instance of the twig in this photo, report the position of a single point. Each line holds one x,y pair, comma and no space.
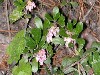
81,9
82,69
8,31
26,22
79,68
88,12
98,7
6,10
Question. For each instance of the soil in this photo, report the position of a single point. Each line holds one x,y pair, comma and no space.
87,11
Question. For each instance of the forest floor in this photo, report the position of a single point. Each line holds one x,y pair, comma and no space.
87,11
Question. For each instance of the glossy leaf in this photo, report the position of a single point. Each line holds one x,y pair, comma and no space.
49,49
46,26
47,61
30,43
74,22
63,32
45,46
38,22
56,17
61,21
56,13
58,40
79,28
69,26
34,65
36,33
42,42
47,16
81,43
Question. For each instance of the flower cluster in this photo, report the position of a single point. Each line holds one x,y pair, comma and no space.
52,32
30,5
69,40
41,56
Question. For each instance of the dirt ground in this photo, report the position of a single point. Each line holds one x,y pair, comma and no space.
87,11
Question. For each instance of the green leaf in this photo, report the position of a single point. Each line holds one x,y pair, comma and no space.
27,16
42,42
45,46
36,33
55,69
74,22
30,43
96,45
20,34
38,22
56,17
69,26
15,15
95,63
20,4
55,10
70,45
81,42
46,26
58,40
50,51
87,68
47,16
61,21
15,70
34,65
20,1
68,61
16,47
59,72
47,61
22,69
74,4
79,28
56,13
75,36
63,3
63,32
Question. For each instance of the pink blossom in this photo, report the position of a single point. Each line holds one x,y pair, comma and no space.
49,38
30,5
41,56
52,32
69,40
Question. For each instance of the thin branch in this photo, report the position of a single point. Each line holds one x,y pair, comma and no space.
84,18
6,10
8,31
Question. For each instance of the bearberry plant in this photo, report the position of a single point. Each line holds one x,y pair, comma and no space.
32,49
